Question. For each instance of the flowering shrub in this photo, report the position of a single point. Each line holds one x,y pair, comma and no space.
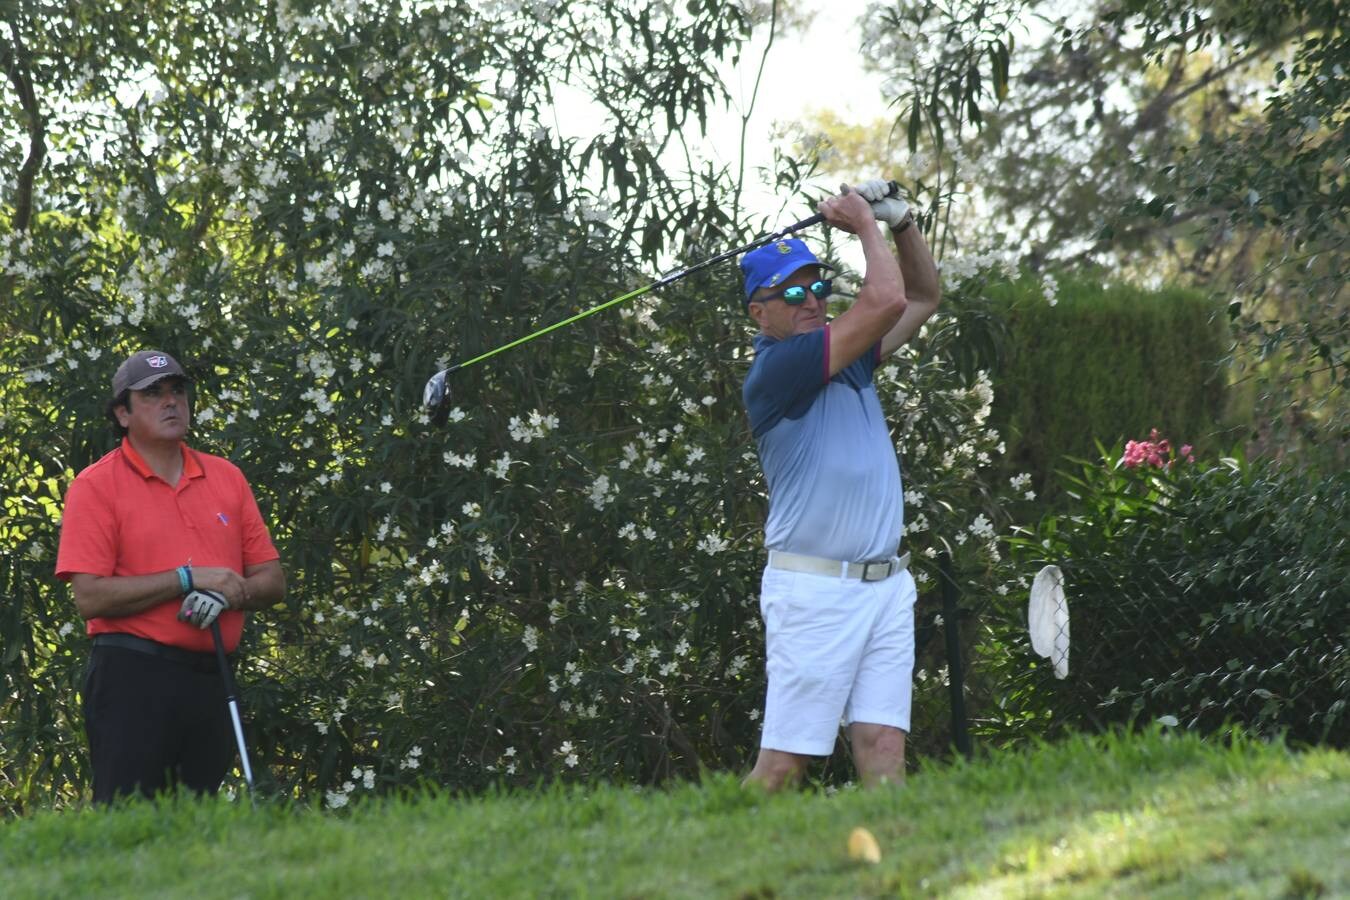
1087,370
560,583
1156,451
1209,594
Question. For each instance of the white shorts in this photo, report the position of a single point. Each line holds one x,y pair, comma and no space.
838,649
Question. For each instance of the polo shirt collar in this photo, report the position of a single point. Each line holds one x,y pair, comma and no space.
191,468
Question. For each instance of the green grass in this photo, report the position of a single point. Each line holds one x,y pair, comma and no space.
1153,815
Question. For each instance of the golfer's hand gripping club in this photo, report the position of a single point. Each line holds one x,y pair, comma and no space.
201,608
436,394
883,197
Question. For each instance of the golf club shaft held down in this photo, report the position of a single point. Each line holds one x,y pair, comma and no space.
436,392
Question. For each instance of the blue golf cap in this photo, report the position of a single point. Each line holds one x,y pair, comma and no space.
772,264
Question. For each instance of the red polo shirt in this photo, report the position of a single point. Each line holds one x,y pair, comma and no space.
121,518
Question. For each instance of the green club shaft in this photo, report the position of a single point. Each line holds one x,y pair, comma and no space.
556,325
665,280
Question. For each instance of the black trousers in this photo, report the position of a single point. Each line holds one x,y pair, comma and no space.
155,724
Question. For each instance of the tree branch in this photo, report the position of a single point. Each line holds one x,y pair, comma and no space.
12,59
1153,115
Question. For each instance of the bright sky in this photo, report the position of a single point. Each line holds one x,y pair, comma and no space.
819,69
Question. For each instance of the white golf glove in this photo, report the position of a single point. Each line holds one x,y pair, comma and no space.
886,208
202,607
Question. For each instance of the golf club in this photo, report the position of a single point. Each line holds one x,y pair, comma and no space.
436,394
232,702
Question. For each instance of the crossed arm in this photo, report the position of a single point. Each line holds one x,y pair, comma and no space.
111,596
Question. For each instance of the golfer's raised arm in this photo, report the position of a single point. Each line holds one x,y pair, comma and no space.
881,300
922,288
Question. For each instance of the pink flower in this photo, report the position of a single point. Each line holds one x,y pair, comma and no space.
1156,451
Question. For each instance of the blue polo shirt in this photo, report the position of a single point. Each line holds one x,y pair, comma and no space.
832,471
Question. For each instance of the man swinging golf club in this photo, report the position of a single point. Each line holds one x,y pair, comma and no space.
837,601
164,548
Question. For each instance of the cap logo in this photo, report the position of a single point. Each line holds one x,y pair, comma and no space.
774,280
157,362
783,247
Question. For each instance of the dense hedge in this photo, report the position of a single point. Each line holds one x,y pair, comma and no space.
1213,594
1109,361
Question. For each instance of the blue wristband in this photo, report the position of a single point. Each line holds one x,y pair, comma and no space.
185,579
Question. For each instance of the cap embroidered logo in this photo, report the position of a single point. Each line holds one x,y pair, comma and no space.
157,362
783,247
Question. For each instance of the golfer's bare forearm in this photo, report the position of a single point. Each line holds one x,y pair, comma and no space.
883,280
114,596
266,585
917,267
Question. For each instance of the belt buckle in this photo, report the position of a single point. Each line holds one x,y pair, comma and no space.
884,567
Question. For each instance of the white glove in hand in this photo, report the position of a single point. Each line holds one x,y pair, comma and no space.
201,608
888,209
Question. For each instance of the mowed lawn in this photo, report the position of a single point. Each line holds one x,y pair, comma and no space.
1155,815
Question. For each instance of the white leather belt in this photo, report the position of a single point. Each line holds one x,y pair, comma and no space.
876,570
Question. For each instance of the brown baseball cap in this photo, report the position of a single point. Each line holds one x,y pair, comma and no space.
145,368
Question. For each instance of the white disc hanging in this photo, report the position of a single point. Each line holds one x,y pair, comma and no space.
1048,619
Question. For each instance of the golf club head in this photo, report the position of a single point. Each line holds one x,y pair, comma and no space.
436,397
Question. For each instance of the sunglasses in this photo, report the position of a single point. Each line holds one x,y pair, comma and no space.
796,295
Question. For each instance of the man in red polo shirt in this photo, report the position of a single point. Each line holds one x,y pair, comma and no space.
142,528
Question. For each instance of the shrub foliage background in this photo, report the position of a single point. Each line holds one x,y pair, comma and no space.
313,206
1211,593
1107,362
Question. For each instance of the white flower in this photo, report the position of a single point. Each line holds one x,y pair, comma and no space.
454,459
1050,287
601,493
472,510
982,527
385,487
530,638
713,543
